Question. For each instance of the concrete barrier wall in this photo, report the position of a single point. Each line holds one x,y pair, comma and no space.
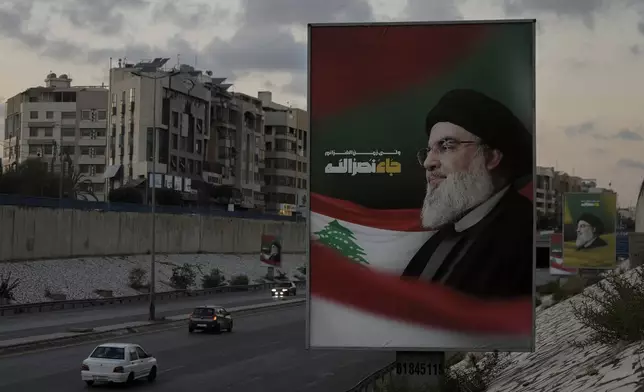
42,233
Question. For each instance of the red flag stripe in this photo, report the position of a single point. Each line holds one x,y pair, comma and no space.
397,220
337,279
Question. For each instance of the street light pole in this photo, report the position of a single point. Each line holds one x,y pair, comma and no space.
154,199
152,289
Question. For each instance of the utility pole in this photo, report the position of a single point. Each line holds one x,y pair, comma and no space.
154,199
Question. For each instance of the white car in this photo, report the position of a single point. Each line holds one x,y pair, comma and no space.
118,363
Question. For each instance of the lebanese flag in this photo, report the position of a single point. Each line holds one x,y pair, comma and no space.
359,300
556,257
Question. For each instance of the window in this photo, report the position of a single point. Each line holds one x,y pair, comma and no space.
108,353
68,131
33,132
69,150
102,115
86,115
175,141
175,119
198,147
203,312
33,115
68,115
49,115
49,149
49,132
141,353
133,354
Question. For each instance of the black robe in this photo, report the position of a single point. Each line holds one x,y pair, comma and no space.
491,259
597,243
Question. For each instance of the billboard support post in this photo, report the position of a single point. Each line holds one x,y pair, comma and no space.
420,369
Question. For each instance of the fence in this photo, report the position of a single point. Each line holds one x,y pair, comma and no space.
39,307
47,202
370,383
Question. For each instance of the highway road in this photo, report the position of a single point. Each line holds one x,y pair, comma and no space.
32,324
265,353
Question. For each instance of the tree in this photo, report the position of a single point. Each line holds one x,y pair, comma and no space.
342,239
77,186
29,178
168,197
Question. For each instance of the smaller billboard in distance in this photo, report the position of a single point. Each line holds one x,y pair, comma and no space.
271,250
589,230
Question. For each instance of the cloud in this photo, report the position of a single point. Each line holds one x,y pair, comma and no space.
627,134
584,10
102,16
630,164
433,10
598,150
589,128
635,49
190,16
585,128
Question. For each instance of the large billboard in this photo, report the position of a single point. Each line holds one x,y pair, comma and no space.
589,230
422,223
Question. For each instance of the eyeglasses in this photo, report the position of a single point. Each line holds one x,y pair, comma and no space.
443,146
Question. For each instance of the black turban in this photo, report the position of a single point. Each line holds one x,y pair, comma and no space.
491,121
594,221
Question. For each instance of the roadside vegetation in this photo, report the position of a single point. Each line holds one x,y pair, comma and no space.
7,288
614,309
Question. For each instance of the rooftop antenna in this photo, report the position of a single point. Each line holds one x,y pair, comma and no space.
196,57
178,61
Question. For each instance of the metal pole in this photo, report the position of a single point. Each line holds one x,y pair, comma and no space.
154,167
62,168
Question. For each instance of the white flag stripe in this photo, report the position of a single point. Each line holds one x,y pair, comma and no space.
335,325
386,250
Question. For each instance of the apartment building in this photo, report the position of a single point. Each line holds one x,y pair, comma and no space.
286,137
145,98
64,125
546,197
236,158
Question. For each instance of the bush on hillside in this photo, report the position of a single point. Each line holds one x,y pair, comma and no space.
572,286
136,279
615,310
7,288
183,276
214,279
239,280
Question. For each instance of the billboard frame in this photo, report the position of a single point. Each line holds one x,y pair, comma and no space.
563,216
533,22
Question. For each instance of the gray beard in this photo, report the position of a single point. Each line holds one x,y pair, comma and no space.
583,240
455,195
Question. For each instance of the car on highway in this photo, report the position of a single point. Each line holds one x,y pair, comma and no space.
118,363
210,318
283,289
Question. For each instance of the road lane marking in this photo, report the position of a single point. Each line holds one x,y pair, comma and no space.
171,369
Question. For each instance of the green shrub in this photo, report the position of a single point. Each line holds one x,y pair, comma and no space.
239,280
136,278
571,287
183,277
548,288
7,288
615,311
214,279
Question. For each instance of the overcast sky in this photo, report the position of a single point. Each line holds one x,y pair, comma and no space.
590,58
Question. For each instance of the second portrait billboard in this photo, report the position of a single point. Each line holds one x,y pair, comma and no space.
590,230
422,161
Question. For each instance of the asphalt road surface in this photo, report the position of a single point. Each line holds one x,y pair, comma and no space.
33,324
265,353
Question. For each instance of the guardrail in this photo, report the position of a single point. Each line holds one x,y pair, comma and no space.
369,383
38,307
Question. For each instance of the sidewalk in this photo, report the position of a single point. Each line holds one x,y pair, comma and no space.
127,326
